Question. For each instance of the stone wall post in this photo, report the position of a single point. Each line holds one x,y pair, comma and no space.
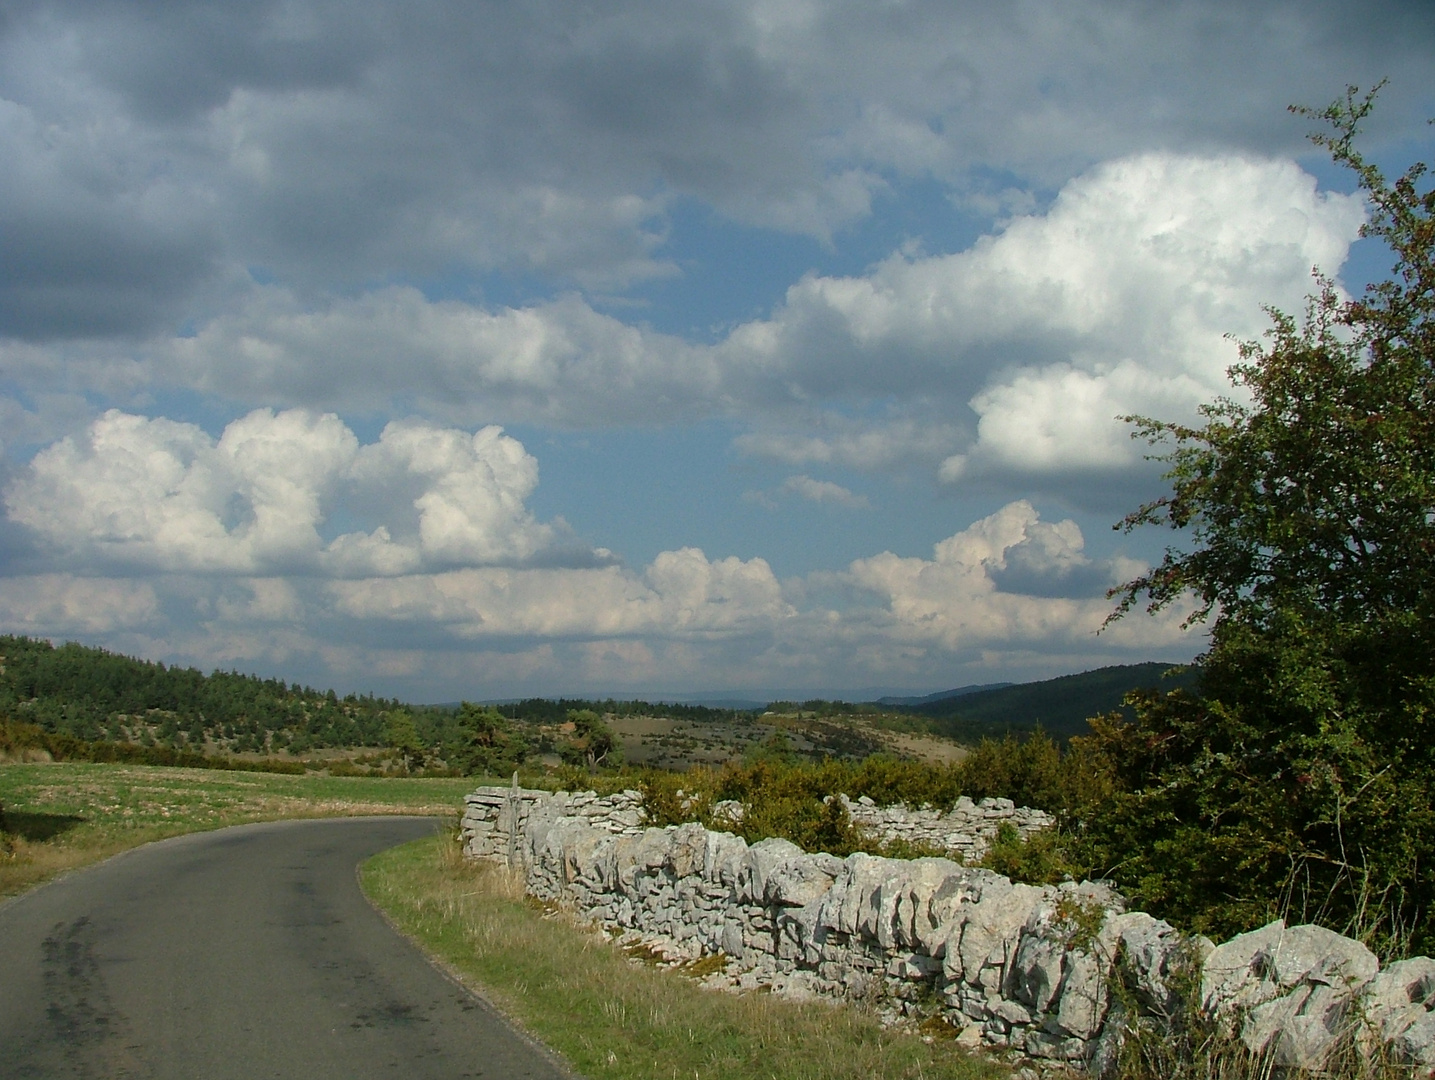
513,800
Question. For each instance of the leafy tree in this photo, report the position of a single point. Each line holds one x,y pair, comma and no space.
1299,776
593,740
487,742
403,736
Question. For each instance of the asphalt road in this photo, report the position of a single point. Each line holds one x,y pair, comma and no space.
245,953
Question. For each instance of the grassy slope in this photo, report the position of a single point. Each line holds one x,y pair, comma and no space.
60,816
616,1020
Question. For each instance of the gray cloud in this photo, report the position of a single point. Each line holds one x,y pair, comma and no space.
338,145
302,204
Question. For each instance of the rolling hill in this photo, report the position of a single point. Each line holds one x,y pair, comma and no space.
1061,706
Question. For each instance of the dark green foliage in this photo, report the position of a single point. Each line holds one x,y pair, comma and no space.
1036,772
1044,859
810,824
786,797
593,742
486,743
1058,706
87,693
1299,777
402,734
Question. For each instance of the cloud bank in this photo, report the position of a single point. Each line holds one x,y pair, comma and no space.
193,544
294,298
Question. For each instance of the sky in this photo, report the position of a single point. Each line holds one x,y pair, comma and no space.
476,350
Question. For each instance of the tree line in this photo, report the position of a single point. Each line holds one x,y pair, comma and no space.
94,695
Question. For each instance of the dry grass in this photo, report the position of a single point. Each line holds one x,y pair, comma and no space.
61,816
615,1019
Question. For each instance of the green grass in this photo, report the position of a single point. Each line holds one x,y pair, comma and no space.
60,816
613,1019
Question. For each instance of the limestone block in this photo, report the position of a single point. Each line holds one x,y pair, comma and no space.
798,882
1416,1044
1039,965
722,861
1085,992
1234,976
625,862
992,930
580,847
758,862
1294,985
645,854
1319,955
799,935
1301,1028
1041,1044
627,818
687,850
919,913
732,942
1012,1012
879,917
1399,996
1151,953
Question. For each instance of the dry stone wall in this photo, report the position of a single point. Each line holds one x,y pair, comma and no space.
1052,972
966,830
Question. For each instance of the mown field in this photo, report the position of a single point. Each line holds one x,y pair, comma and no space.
62,815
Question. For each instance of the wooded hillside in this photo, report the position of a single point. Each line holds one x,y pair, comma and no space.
93,694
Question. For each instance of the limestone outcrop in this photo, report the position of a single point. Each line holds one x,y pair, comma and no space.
1054,972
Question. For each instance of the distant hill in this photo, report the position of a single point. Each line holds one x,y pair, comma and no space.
943,695
1061,706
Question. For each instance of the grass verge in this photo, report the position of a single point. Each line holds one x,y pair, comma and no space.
615,1020
61,816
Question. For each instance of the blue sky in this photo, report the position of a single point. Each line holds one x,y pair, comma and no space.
474,350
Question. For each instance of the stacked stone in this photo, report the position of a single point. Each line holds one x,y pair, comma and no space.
966,831
489,811
1295,990
1019,966
998,954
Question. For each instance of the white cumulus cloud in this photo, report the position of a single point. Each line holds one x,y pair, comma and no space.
1118,298
682,593
983,589
165,496
1013,356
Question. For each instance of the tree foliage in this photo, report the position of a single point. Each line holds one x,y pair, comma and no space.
487,744
403,735
1300,776
95,695
593,741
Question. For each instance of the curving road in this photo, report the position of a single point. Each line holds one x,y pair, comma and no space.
246,953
